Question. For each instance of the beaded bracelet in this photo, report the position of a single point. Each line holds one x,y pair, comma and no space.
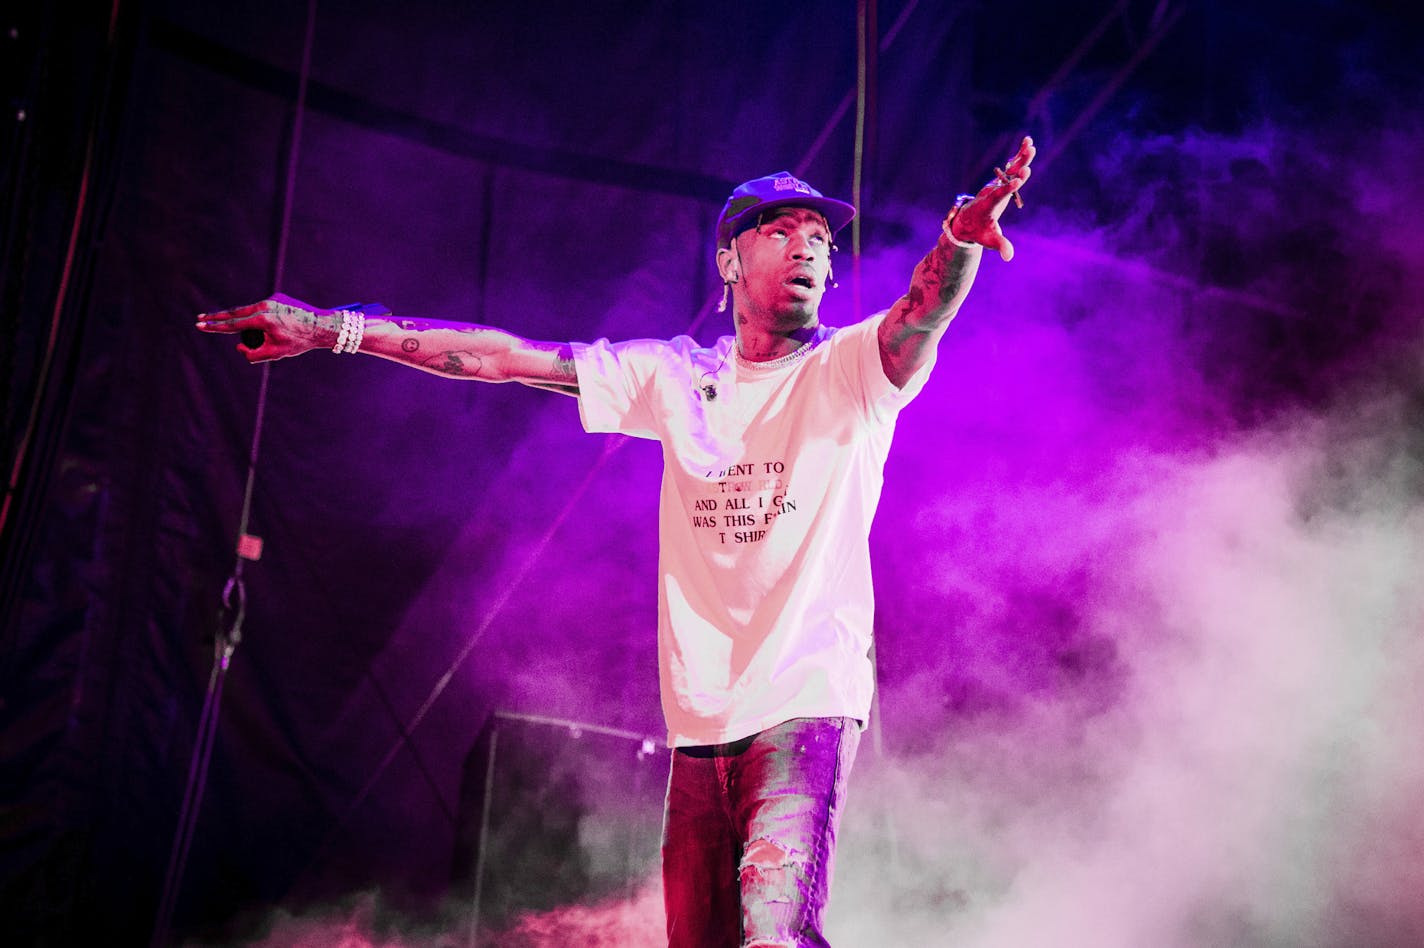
353,329
959,202
358,332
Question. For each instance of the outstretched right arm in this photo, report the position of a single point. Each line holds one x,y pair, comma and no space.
290,327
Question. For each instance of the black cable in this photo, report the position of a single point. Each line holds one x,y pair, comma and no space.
233,610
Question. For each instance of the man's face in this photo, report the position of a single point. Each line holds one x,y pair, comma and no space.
784,262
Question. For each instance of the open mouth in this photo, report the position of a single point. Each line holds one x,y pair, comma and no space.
802,281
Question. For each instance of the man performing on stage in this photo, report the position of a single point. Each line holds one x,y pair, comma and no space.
774,443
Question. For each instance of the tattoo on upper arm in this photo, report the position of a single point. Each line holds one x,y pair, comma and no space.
564,362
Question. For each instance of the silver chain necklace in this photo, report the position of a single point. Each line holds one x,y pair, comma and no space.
795,356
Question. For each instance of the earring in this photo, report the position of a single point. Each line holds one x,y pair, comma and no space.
726,291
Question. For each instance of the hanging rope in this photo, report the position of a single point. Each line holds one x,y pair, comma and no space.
233,609
864,24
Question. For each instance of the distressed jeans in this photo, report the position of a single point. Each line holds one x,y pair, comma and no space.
749,835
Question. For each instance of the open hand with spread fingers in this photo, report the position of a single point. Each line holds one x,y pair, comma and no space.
275,328
976,219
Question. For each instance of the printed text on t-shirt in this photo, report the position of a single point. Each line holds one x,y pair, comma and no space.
746,499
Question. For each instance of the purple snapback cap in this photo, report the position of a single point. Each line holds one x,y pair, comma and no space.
783,189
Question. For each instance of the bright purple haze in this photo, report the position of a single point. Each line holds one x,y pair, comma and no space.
1148,572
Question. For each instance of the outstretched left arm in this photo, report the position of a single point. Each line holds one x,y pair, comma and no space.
941,281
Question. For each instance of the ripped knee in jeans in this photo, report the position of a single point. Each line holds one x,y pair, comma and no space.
771,873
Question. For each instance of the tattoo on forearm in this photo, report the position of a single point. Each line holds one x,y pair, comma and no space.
410,344
939,279
455,363
940,276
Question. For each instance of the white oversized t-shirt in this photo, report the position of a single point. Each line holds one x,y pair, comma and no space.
765,605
